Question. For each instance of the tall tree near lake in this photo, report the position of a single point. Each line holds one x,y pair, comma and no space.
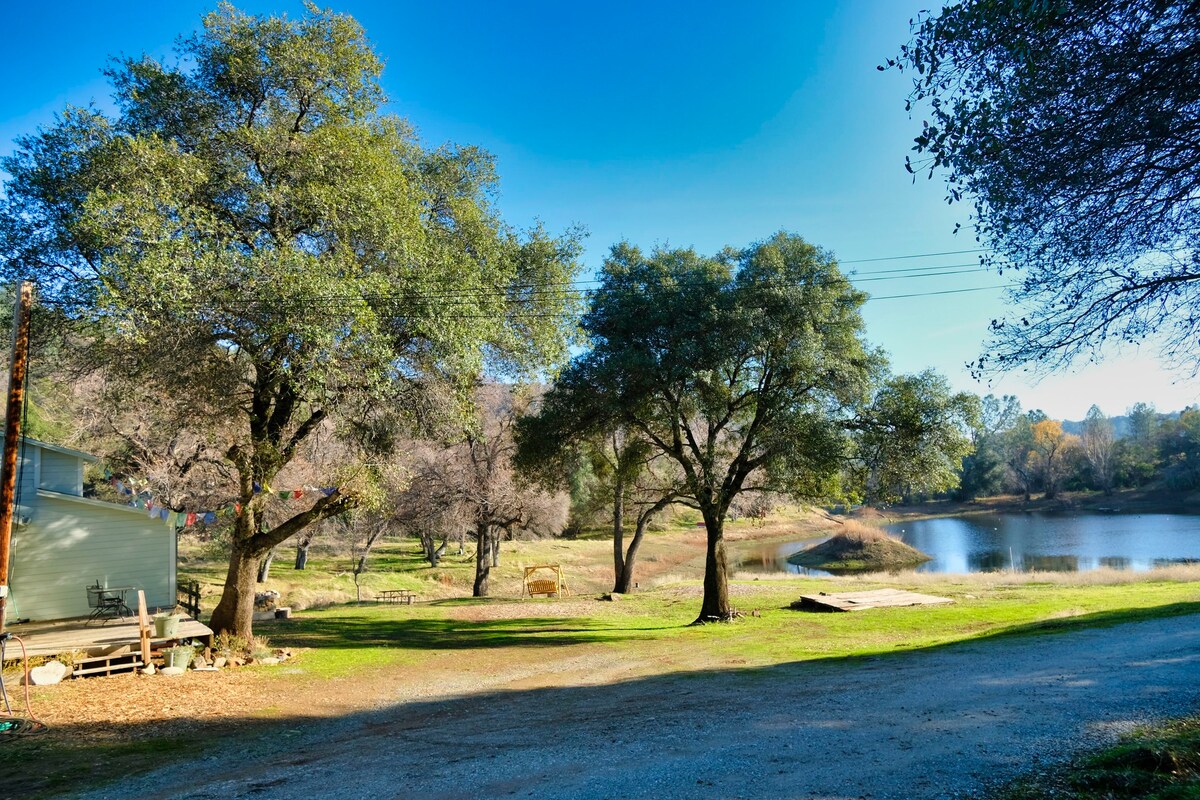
252,236
1098,442
741,369
1018,446
914,437
1181,449
1137,453
1074,127
983,468
1049,454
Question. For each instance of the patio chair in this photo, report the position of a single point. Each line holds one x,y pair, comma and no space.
107,603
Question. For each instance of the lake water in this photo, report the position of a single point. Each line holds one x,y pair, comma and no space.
1029,542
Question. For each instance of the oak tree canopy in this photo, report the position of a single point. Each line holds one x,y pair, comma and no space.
256,239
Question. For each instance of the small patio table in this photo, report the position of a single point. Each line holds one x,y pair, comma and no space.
108,602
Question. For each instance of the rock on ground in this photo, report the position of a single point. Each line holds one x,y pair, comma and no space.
47,674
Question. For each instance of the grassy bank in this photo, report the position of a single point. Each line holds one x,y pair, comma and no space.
1161,762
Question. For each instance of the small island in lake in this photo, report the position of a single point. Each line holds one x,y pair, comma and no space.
859,549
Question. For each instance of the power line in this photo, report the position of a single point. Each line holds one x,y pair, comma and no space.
325,308
946,291
547,285
924,275
572,290
915,255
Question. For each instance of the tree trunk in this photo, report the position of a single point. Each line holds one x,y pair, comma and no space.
496,537
716,579
483,559
619,569
264,566
625,576
302,553
435,557
234,614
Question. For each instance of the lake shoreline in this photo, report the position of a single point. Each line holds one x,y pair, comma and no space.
1129,501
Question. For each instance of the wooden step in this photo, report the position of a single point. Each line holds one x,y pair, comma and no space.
115,664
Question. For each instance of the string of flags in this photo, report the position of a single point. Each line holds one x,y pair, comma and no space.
186,519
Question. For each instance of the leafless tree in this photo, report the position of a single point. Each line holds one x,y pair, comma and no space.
474,482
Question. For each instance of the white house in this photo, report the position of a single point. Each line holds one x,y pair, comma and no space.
64,542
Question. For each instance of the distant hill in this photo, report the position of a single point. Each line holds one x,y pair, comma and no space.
1121,425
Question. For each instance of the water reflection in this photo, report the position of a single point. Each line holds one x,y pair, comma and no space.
1028,542
772,557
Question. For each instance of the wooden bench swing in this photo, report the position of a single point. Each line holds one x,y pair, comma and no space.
541,584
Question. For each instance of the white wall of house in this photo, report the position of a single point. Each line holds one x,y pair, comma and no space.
71,542
60,472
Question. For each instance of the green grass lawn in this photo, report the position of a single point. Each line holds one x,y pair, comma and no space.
658,623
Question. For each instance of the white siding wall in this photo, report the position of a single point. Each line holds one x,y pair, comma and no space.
60,473
27,474
70,544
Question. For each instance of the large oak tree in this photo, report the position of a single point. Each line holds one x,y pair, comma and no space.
741,369
254,237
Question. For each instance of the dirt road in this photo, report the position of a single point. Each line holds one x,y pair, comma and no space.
931,724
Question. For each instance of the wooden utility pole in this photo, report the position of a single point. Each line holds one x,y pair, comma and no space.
18,367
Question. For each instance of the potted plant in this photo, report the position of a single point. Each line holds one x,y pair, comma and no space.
179,656
166,623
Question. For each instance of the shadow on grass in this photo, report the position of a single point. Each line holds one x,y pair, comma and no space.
343,631
377,627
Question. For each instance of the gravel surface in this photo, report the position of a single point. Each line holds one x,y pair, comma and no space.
939,723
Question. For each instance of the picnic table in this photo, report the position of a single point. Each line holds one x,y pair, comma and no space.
396,596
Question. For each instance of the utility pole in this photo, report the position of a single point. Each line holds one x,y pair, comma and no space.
18,368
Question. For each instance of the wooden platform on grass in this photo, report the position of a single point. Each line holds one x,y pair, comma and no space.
861,601
115,636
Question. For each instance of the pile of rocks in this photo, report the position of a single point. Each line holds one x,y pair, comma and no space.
206,660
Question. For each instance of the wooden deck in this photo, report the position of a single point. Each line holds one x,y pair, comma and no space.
861,601
62,636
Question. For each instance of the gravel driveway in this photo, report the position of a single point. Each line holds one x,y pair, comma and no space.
937,723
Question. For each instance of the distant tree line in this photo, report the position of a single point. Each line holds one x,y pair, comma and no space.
1027,453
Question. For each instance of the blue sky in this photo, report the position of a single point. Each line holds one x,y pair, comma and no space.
688,124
